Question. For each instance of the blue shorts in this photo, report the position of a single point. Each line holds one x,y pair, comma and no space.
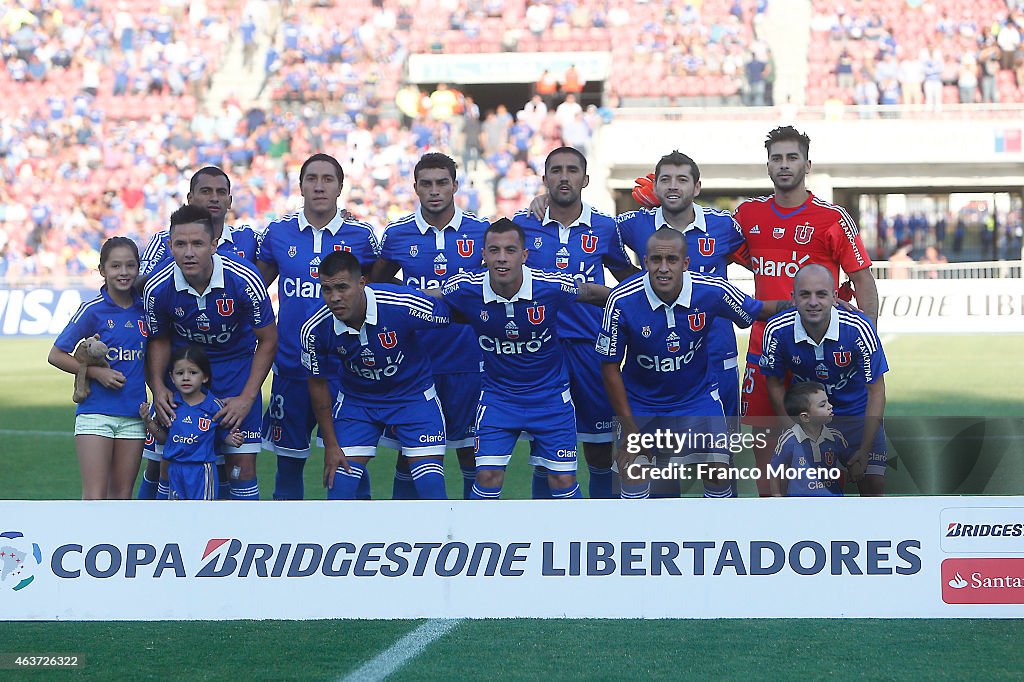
852,429
594,415
552,423
459,394
228,380
729,394
417,424
289,419
700,433
192,480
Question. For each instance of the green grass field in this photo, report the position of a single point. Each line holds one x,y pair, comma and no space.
946,377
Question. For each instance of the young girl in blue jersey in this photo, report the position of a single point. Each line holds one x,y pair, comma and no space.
190,442
108,431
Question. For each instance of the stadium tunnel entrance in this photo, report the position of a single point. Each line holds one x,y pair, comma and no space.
515,95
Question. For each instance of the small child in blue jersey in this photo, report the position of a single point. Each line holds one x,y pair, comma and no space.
809,451
190,442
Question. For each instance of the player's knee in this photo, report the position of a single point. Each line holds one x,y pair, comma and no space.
490,478
598,454
557,481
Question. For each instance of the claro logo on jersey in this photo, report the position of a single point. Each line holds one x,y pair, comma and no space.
515,346
778,268
234,558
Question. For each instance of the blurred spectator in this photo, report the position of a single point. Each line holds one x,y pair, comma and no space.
546,87
572,84
932,256
899,263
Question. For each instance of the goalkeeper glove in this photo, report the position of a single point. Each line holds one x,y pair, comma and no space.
643,192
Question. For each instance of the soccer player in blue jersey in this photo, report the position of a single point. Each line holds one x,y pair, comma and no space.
576,239
209,188
514,311
809,445
221,305
190,442
713,240
374,334
108,437
291,252
841,350
430,245
654,339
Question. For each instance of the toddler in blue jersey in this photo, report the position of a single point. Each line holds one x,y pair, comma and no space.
190,442
806,458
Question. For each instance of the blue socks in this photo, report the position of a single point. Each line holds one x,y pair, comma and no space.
147,489
719,491
346,483
404,488
288,483
600,487
163,489
634,491
245,490
570,493
468,479
541,487
428,477
363,489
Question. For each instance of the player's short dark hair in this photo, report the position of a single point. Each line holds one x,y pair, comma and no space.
666,233
788,134
677,158
564,150
322,157
503,225
798,397
187,215
435,160
340,261
115,242
194,354
208,170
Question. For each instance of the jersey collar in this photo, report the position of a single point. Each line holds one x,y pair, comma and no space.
216,279
586,218
336,222
525,292
832,333
801,435
371,316
455,223
682,300
136,297
699,222
209,403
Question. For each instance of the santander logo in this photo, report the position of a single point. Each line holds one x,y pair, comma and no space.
983,581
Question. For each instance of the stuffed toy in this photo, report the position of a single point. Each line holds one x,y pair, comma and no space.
91,352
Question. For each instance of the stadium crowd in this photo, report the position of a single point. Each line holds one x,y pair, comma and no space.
102,109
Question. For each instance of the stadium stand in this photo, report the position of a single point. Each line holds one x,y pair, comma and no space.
99,131
917,53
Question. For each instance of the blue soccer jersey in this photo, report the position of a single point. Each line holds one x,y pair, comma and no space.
124,331
383,360
711,239
580,250
239,242
428,257
848,358
814,461
667,367
296,248
221,319
194,435
523,359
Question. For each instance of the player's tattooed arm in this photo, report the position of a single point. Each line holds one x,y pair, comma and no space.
594,294
772,308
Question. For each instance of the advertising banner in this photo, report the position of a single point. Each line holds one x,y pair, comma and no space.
923,557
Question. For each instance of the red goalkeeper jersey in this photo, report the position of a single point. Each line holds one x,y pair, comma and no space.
782,240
